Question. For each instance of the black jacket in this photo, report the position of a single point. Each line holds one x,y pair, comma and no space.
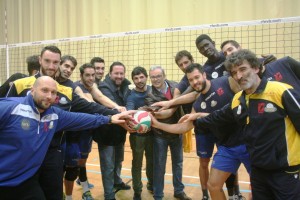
112,135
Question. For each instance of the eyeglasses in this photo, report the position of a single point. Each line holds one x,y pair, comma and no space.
156,77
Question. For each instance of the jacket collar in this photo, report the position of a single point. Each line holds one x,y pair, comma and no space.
112,85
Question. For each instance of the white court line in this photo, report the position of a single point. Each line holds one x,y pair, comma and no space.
166,174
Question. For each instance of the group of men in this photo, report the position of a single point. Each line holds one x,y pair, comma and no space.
245,128
210,89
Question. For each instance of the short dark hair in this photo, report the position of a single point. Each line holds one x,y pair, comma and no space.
33,63
194,66
233,42
114,64
70,58
97,59
203,37
181,54
237,58
138,70
53,49
84,66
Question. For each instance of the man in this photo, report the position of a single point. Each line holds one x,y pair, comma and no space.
33,66
183,59
51,172
111,139
140,143
231,152
79,144
27,127
163,89
286,70
99,65
213,69
268,112
270,117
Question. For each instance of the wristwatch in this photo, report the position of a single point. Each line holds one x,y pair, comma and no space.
109,119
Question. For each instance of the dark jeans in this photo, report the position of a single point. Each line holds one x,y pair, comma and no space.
28,190
51,174
160,150
111,158
275,185
139,145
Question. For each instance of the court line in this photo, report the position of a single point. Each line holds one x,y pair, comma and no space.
166,181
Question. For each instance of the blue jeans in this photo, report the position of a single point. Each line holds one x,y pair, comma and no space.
139,145
160,150
111,158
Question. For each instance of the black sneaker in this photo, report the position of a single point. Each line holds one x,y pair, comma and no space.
137,196
150,188
182,196
122,186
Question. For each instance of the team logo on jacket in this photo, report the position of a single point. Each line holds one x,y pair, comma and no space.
203,105
270,108
25,124
63,100
51,125
213,103
215,75
278,76
220,91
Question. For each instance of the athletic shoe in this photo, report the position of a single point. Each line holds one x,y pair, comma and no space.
87,196
150,188
90,186
122,186
182,196
239,197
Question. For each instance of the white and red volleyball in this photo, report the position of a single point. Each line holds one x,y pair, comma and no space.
142,121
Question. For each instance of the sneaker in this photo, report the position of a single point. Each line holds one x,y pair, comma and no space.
150,188
182,196
122,186
137,196
91,186
239,197
87,196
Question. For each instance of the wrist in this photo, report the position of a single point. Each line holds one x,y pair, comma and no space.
109,119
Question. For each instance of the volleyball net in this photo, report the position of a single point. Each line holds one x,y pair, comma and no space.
280,37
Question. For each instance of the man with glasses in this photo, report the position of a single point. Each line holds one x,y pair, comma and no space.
161,90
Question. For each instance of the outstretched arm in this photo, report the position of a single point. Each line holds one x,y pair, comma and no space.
104,100
184,99
172,128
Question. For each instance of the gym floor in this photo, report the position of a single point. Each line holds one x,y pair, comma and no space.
190,177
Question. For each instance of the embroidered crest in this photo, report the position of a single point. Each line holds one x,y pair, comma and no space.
25,124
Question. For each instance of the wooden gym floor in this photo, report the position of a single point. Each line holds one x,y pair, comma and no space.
190,177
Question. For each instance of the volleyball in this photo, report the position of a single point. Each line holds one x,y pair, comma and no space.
142,121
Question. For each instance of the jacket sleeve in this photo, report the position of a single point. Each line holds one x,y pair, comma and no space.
6,85
82,105
221,117
71,121
130,103
291,103
12,92
295,66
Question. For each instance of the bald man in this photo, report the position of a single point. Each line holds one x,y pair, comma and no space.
27,125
